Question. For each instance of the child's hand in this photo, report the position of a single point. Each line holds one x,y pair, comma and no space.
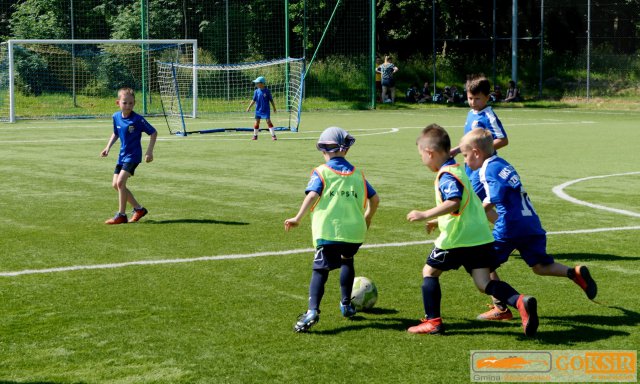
104,153
431,225
148,157
291,223
415,216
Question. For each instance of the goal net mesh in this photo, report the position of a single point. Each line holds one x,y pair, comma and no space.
73,79
223,93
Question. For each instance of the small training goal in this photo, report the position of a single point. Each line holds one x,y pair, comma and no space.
214,98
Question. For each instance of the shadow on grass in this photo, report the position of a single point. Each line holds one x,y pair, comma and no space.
569,329
593,256
192,221
36,382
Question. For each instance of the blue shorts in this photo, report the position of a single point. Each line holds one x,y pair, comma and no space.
533,249
129,167
332,256
263,116
479,256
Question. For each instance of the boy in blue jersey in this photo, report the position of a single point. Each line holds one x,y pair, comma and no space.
517,225
481,116
128,126
342,204
465,237
261,98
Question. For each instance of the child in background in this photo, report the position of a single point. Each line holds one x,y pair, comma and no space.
261,98
481,116
342,204
517,225
465,237
128,127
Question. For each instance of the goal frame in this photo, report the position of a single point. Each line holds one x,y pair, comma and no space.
11,65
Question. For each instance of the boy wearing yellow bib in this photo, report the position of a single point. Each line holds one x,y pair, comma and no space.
465,237
342,204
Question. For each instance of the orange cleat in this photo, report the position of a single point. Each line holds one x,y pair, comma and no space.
138,214
117,219
585,281
496,313
528,308
428,326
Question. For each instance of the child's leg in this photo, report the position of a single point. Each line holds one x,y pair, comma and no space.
270,126
553,269
431,292
347,275
316,287
124,194
579,275
256,127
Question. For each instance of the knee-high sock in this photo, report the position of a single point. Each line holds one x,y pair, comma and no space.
316,287
431,297
502,291
347,274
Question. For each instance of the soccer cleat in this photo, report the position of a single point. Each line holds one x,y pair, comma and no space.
347,310
274,138
428,326
117,219
306,320
585,281
496,313
528,308
138,214
255,137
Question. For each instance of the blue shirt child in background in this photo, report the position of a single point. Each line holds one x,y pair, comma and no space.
128,127
262,98
517,225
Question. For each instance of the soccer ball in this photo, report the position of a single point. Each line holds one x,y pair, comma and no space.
364,294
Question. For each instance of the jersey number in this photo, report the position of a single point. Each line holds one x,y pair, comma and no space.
527,207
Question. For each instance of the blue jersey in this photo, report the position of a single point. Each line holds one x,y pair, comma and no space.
339,164
262,97
501,185
448,185
129,130
485,119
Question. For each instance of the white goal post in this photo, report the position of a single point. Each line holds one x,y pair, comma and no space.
43,78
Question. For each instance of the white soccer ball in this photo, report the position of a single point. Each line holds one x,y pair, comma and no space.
364,294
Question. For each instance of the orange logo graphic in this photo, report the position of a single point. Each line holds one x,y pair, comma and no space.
511,362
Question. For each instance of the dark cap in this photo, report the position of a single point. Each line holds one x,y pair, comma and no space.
334,139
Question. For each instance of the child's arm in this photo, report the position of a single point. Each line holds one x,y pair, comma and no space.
448,206
274,106
307,203
372,207
251,105
454,151
148,157
112,140
500,143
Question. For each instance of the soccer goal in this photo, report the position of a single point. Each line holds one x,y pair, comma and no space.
223,93
80,78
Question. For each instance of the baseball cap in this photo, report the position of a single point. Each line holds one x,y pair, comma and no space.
260,79
334,139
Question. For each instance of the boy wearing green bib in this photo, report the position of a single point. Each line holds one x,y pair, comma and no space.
465,237
342,204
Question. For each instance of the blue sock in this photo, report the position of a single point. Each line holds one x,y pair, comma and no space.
347,274
431,297
502,291
316,287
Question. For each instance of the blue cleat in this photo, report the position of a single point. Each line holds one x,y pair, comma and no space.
347,310
306,320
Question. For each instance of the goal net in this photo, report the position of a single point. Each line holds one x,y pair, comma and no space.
223,93
80,78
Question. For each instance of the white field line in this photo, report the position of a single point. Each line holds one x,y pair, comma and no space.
259,254
559,191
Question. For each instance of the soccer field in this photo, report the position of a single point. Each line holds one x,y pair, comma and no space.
206,288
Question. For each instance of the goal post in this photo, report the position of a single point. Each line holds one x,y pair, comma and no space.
43,78
224,92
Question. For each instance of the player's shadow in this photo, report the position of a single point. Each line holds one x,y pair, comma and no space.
36,382
192,221
368,320
593,256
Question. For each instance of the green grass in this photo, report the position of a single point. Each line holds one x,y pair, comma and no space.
230,320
